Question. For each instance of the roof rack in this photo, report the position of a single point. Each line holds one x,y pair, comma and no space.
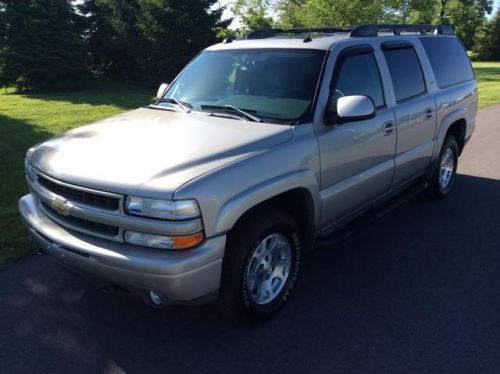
355,31
269,32
373,30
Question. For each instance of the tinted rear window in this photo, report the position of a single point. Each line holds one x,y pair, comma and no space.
406,72
448,60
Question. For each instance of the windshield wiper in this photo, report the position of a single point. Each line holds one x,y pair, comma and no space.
231,108
184,106
246,114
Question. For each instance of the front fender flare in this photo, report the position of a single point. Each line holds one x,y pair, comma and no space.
235,207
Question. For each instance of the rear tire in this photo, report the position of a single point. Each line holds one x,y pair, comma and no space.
260,266
443,177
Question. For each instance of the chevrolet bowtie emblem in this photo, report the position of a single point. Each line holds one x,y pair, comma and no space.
61,205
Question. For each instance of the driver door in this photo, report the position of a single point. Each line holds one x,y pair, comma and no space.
357,158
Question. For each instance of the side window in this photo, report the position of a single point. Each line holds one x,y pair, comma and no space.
448,60
406,72
359,75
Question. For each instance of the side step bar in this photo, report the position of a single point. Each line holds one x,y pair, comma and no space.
375,212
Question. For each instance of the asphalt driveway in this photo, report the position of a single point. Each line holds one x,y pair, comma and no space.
417,291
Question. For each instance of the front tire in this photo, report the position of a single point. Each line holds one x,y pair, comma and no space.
443,176
261,265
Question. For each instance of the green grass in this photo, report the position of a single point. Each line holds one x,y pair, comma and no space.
488,78
26,119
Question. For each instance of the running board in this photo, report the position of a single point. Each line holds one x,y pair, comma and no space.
375,212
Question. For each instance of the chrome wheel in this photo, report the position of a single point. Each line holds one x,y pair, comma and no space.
268,268
446,169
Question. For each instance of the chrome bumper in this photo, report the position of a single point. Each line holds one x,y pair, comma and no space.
180,277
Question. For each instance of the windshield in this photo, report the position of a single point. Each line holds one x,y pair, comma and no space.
269,83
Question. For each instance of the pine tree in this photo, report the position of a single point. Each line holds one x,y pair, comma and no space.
112,38
3,32
42,46
148,40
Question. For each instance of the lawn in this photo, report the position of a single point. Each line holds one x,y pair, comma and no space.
28,119
488,77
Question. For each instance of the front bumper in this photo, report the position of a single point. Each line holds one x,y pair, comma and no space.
180,277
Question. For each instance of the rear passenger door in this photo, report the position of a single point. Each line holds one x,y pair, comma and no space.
415,111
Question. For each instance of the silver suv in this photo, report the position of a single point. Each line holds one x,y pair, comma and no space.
259,148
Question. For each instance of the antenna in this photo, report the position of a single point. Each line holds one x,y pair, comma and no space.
308,39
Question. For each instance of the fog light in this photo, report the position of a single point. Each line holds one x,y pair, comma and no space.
155,298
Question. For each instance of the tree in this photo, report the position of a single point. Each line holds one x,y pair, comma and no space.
343,12
488,41
3,34
112,37
290,13
295,13
423,11
464,16
3,24
149,40
410,11
253,14
42,45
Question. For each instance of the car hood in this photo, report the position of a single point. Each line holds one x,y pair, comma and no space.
151,152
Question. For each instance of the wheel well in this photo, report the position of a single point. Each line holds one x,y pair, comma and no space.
299,204
457,129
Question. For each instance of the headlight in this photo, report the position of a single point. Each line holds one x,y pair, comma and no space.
29,169
164,209
163,241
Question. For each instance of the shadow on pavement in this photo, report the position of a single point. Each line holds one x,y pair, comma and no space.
416,291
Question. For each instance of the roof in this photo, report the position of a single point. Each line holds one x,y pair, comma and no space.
322,43
322,38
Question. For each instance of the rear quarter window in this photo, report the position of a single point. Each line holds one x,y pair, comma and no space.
448,59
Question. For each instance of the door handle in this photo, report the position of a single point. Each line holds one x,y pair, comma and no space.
388,128
428,113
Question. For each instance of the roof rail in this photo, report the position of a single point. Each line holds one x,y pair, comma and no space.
269,32
373,30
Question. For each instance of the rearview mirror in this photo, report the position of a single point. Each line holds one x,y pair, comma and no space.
161,90
350,108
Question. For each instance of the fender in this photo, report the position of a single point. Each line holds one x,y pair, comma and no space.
452,117
235,207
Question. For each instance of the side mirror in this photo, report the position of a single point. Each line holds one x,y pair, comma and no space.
349,108
161,90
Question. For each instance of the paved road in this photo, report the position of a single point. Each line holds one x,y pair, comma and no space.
418,291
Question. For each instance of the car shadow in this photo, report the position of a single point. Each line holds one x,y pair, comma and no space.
414,291
16,136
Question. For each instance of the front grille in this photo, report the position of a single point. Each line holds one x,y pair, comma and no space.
96,227
89,198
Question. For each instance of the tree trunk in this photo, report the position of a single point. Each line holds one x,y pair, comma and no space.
442,12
